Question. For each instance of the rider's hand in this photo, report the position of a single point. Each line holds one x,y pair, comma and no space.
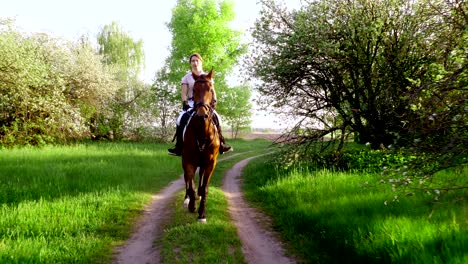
185,106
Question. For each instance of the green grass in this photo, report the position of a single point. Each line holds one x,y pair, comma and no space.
75,203
187,241
328,217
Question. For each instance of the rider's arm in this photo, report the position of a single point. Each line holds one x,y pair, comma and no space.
184,92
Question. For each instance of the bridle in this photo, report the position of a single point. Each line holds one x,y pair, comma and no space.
202,143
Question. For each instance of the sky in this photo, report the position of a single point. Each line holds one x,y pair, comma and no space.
141,19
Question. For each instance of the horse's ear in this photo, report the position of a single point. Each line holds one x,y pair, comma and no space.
195,77
210,74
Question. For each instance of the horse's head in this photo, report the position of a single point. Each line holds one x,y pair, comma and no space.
203,92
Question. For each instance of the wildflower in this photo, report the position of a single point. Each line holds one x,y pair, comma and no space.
385,203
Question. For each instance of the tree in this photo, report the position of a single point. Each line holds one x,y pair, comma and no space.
165,94
391,72
201,26
118,48
352,61
238,113
125,54
48,87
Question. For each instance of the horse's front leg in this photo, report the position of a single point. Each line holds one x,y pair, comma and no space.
203,190
201,171
190,189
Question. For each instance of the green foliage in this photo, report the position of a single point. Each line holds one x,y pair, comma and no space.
49,88
200,26
357,66
391,72
167,102
131,108
238,111
371,160
118,48
203,26
352,157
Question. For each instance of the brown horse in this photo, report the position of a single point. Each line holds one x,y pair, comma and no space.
201,144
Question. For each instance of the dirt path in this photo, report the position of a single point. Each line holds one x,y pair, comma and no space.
139,247
259,243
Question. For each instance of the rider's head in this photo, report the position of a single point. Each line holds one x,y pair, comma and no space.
196,62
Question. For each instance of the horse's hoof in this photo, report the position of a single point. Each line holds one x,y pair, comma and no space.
186,202
202,220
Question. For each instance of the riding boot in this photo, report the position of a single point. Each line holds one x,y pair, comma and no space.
223,148
177,150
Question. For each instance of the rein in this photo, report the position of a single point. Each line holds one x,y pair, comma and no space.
202,143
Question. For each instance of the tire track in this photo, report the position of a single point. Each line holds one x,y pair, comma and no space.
260,244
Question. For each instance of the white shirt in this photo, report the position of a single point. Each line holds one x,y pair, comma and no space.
189,81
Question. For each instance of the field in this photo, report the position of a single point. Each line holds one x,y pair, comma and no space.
76,203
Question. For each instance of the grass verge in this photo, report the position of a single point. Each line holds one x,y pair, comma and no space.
328,217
